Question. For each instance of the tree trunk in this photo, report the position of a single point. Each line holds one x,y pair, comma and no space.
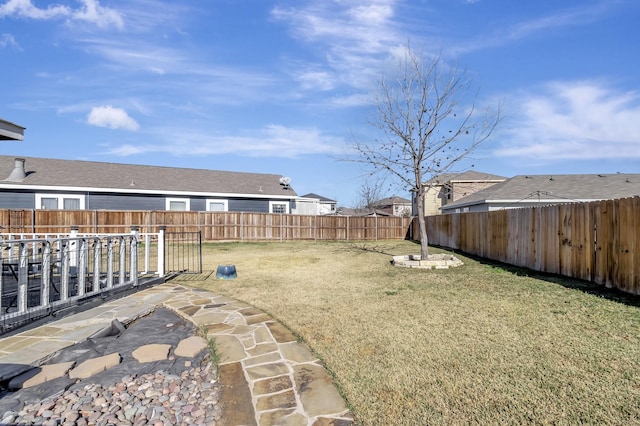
424,239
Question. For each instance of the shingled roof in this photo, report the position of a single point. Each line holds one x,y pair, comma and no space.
319,197
554,189
116,177
391,200
468,176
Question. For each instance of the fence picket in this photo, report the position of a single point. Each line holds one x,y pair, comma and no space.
592,241
597,241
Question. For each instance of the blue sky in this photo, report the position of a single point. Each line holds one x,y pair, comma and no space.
283,87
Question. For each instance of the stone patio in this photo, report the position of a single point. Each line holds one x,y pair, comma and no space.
267,377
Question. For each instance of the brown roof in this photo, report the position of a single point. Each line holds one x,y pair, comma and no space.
555,188
100,176
391,201
468,176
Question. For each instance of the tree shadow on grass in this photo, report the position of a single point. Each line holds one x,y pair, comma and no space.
612,294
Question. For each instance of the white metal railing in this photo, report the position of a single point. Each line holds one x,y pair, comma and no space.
42,273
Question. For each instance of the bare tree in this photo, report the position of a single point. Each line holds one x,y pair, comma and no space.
426,130
371,191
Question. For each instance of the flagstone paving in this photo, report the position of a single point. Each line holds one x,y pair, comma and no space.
267,377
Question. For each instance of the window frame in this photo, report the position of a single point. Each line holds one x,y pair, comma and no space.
273,203
217,200
186,201
60,197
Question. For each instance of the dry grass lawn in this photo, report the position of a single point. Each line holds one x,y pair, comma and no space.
477,344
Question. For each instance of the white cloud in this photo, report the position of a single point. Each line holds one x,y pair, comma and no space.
7,40
90,11
354,36
127,149
509,33
574,121
93,12
114,118
26,9
274,141
314,79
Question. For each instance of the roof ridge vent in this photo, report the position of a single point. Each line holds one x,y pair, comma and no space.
18,173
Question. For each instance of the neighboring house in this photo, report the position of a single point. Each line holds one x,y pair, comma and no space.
10,131
43,183
364,211
314,204
450,187
540,190
395,206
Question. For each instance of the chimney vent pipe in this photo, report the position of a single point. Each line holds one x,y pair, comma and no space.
18,173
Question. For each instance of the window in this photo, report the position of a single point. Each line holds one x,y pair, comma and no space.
214,205
278,207
178,204
60,201
49,203
71,203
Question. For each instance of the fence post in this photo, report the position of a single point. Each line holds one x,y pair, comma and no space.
64,265
122,259
200,250
109,262
73,251
147,253
348,227
133,268
376,225
97,260
1,269
45,285
23,270
82,265
161,250
241,226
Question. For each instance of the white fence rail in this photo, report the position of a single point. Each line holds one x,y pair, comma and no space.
40,274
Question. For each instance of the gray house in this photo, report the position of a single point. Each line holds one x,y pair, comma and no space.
324,205
44,183
540,190
396,206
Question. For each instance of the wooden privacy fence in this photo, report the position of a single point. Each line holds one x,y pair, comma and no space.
597,241
214,226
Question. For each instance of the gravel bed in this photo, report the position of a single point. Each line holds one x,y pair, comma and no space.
159,399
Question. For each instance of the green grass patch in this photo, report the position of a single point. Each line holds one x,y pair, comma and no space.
482,343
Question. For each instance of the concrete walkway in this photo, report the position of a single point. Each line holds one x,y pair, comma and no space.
266,376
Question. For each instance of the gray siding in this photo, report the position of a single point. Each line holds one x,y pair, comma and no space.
139,202
124,202
17,200
250,206
26,200
198,204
